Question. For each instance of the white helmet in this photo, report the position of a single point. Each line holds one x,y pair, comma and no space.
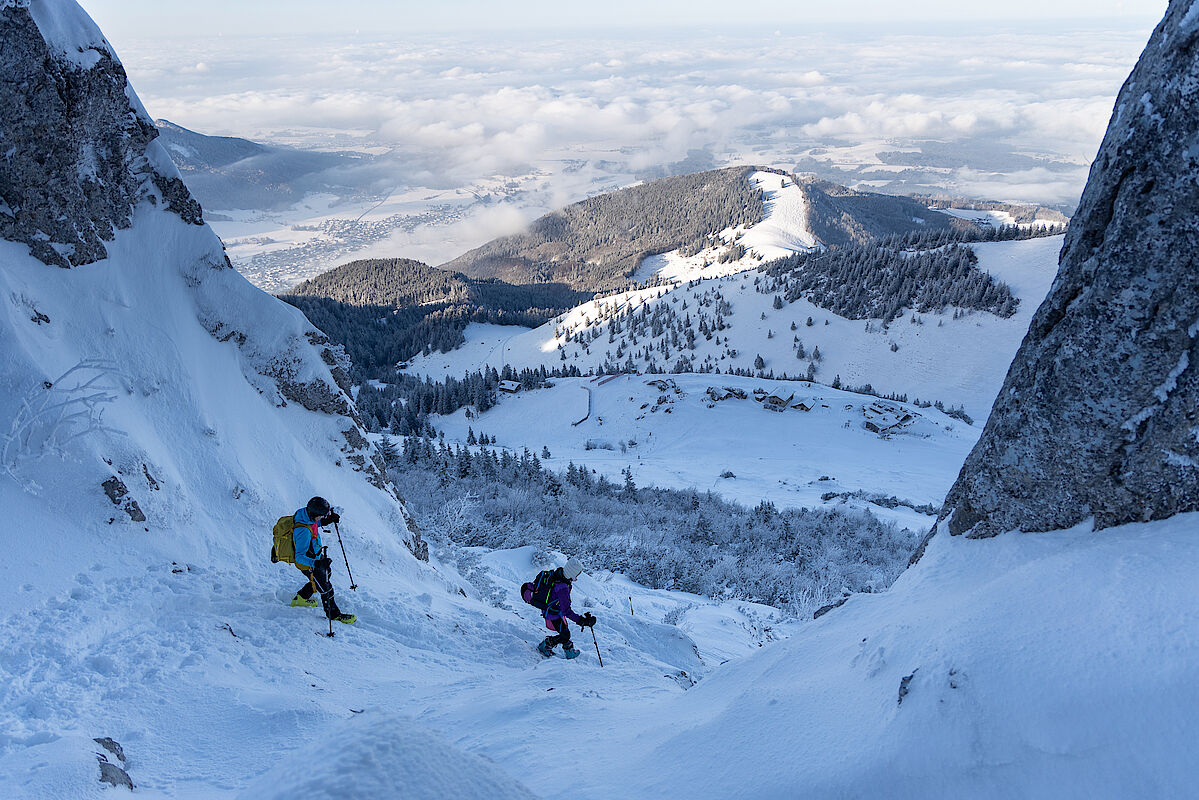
572,569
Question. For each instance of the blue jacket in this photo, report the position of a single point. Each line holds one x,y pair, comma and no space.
307,536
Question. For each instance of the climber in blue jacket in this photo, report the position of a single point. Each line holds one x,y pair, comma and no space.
312,560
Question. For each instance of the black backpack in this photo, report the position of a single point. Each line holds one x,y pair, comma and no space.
537,593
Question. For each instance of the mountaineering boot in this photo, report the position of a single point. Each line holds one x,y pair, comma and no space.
348,619
545,648
570,651
300,602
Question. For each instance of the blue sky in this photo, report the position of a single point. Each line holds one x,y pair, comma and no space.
134,18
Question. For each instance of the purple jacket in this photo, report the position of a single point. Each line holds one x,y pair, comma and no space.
559,605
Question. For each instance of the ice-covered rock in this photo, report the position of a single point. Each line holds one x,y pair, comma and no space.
1098,415
79,151
85,184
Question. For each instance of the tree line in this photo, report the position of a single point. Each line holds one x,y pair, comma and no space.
794,559
384,311
876,281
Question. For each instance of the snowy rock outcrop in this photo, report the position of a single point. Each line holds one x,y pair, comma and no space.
113,772
152,372
65,111
1099,414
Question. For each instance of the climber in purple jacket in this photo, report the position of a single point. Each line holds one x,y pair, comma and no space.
557,609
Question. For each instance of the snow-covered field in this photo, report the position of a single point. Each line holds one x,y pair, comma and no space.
957,361
682,439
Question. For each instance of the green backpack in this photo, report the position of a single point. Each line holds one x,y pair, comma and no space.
284,546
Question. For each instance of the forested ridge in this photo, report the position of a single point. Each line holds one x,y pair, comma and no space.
840,216
394,282
384,311
884,254
876,282
926,271
598,243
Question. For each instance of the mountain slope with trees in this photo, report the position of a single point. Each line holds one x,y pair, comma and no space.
841,216
384,311
598,243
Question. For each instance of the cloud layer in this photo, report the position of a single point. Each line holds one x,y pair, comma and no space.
450,111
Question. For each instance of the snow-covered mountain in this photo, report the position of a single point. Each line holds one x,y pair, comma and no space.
698,311
599,243
955,357
135,368
228,173
162,413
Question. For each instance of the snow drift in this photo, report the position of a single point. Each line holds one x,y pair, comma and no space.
1021,666
382,755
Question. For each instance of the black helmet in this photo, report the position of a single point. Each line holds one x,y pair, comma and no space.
317,507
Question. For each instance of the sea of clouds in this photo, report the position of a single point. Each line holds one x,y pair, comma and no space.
1024,108
1008,111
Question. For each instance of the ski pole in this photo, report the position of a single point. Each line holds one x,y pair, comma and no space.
597,652
353,585
324,555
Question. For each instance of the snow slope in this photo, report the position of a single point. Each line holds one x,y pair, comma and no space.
791,458
173,635
957,361
1019,683
783,231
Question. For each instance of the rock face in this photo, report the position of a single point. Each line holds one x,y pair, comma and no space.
110,773
1098,414
79,161
68,109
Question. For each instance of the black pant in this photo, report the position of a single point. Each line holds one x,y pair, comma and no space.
563,637
319,581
